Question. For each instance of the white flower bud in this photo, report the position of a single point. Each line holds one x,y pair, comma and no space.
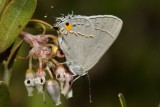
40,80
29,82
29,86
53,90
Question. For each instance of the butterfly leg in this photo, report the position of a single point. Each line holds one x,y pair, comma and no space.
75,78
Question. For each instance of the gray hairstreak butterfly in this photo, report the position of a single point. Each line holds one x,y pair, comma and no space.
85,39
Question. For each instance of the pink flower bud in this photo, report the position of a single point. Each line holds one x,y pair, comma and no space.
40,51
65,80
60,72
67,85
53,90
40,73
60,54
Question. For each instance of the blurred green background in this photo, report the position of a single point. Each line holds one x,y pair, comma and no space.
131,65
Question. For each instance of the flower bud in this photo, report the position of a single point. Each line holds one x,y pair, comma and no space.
67,85
40,51
55,40
40,80
70,94
29,82
60,75
53,90
60,54
41,39
65,80
54,50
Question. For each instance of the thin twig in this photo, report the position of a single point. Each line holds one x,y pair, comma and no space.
55,62
49,72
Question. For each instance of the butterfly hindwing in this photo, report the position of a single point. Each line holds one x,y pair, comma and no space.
89,39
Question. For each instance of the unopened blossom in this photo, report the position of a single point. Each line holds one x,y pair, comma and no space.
40,80
29,82
53,91
65,78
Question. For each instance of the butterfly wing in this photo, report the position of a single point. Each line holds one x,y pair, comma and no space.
89,39
107,28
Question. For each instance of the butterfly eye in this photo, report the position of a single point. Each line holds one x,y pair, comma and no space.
56,28
68,26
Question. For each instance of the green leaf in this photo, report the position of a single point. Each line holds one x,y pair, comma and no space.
14,18
5,100
2,3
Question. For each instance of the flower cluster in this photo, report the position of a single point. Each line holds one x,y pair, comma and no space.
50,75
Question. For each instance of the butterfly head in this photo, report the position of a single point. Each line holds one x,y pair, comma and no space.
64,24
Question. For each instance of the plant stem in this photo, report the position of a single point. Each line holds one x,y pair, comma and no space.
42,22
7,70
7,73
122,100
